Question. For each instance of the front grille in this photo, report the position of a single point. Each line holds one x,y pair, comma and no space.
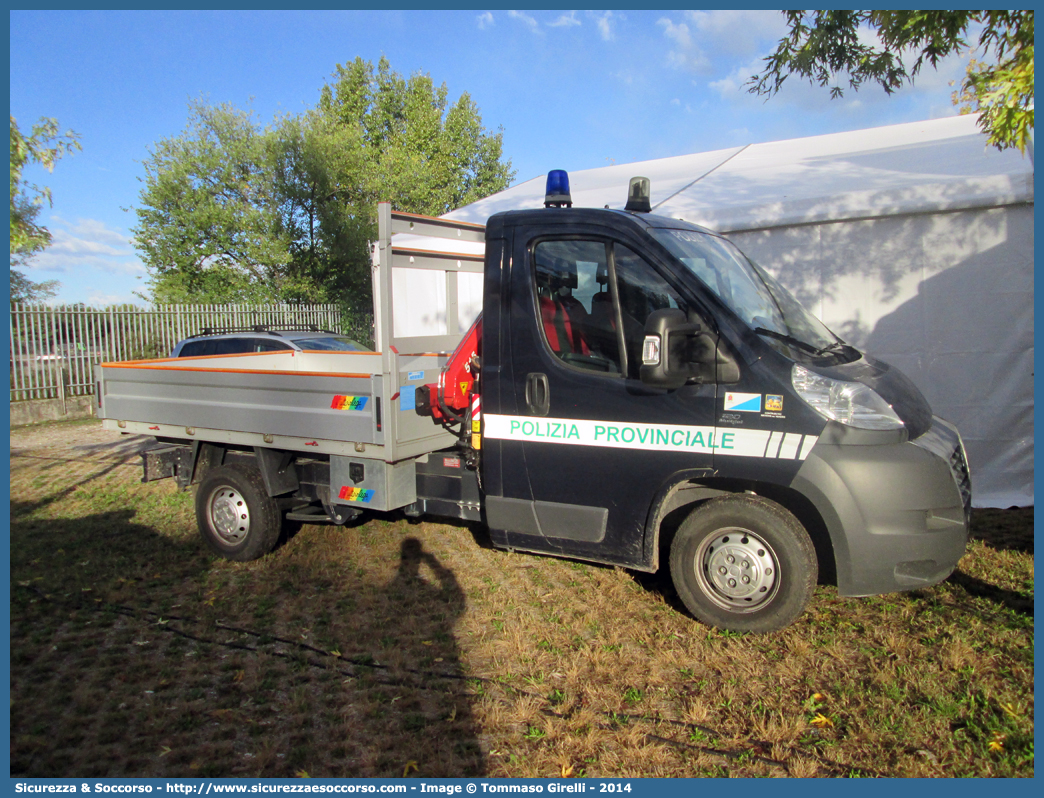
962,476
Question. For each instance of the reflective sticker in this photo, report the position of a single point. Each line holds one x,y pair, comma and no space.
355,494
650,437
408,398
349,402
743,402
476,421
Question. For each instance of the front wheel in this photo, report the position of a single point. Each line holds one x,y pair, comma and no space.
743,563
236,516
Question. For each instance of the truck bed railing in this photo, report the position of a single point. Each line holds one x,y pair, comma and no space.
423,292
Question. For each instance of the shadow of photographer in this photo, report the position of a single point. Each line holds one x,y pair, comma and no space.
429,729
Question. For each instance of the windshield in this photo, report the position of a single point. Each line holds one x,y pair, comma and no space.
336,343
749,291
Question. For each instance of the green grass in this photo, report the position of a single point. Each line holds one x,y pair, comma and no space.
134,652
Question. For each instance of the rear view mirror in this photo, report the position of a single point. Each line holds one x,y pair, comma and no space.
665,350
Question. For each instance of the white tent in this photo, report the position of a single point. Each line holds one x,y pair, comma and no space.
913,241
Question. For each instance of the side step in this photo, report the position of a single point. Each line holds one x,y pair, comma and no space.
314,514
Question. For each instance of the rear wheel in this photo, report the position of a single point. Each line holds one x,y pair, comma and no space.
743,563
236,516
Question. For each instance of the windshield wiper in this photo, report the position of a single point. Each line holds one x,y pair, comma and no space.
836,347
788,339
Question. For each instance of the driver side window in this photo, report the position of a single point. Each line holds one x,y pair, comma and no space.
583,317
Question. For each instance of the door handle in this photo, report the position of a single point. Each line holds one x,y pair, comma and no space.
538,394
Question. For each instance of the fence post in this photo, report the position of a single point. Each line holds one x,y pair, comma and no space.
61,387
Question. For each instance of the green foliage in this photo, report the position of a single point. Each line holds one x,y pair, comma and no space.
44,146
418,152
232,211
25,290
208,226
824,45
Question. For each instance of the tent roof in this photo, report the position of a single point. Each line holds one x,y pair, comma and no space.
940,164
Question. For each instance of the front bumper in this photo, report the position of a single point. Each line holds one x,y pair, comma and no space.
898,514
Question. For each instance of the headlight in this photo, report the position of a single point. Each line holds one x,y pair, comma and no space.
850,403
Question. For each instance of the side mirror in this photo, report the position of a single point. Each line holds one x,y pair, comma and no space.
665,350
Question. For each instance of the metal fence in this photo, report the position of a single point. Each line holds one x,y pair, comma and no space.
54,348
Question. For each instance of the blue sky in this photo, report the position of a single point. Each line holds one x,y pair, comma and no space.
571,89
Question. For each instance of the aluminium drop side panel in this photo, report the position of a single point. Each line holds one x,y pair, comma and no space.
338,407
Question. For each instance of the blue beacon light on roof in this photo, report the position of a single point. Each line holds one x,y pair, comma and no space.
557,192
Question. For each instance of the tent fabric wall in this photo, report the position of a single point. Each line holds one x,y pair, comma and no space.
912,241
947,299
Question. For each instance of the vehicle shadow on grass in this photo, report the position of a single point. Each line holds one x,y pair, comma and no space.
1000,530
86,595
137,655
1016,602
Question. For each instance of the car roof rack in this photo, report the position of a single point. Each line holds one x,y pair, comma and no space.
261,328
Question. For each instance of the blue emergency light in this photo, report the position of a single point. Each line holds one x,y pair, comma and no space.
557,192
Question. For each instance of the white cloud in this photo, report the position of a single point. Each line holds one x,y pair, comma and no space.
684,53
87,244
701,40
741,33
679,34
100,299
565,21
604,23
624,76
485,20
526,20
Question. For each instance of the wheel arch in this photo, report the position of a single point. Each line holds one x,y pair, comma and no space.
683,494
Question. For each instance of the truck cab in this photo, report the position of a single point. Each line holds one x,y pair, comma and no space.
648,389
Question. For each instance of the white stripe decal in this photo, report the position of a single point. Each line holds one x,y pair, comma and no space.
773,445
806,446
649,437
791,443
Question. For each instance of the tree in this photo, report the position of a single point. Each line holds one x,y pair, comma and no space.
208,224
822,46
25,290
322,212
420,153
43,146
231,211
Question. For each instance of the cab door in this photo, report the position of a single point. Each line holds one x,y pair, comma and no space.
594,444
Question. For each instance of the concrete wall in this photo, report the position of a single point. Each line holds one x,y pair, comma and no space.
42,410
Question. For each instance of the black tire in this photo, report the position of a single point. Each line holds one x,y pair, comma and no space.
743,563
236,516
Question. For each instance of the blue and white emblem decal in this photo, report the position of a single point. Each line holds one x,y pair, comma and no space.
743,402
